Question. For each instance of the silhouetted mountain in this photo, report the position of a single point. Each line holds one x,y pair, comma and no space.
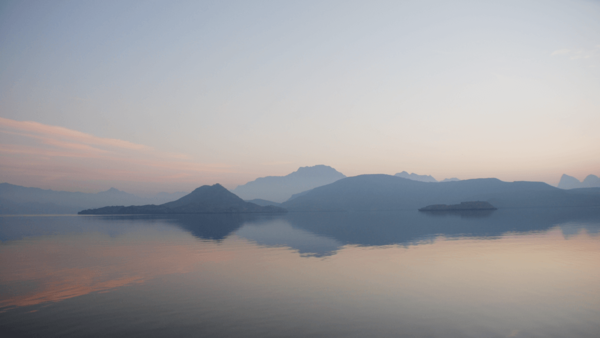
281,188
385,192
591,181
23,200
415,177
263,203
204,200
453,179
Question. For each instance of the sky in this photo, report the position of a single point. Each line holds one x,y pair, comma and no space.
149,96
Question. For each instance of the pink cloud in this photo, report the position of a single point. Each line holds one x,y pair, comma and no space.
35,154
35,128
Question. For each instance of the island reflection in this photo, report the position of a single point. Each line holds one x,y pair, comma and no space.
75,256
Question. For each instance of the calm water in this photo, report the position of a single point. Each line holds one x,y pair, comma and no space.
509,273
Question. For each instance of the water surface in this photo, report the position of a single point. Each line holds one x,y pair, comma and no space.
509,273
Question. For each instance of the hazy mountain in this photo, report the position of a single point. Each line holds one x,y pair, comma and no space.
424,178
263,203
206,199
385,192
592,181
415,177
281,188
570,182
16,199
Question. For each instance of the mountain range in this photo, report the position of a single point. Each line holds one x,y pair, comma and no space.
281,188
208,199
364,192
386,192
423,178
570,182
16,199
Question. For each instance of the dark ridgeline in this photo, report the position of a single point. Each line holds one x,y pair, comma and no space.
281,188
204,200
463,206
385,192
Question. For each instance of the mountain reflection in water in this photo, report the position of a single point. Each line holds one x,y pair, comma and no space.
301,230
324,232
511,272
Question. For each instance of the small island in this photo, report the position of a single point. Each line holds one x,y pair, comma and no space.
477,205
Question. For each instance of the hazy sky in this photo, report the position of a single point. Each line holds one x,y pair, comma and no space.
153,96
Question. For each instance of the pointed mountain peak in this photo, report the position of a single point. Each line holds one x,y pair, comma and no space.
209,188
207,194
113,191
568,182
565,176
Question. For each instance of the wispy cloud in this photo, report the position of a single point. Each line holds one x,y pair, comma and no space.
35,129
37,154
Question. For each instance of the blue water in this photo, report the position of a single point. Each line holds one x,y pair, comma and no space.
507,273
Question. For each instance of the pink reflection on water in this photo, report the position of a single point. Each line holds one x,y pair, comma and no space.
53,269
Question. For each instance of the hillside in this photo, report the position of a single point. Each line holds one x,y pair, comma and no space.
204,200
385,192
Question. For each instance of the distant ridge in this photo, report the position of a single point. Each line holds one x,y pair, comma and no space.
570,182
385,192
15,200
263,203
415,177
281,188
423,178
207,199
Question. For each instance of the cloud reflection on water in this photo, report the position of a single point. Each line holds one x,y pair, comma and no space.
74,265
95,257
